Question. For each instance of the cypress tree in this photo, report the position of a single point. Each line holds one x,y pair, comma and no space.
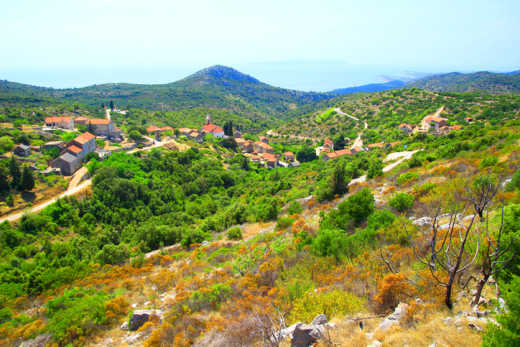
4,184
339,181
14,172
27,182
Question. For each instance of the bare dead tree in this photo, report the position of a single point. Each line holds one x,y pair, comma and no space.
446,251
492,256
481,192
268,327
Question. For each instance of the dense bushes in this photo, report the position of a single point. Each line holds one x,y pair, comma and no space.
76,313
234,233
402,202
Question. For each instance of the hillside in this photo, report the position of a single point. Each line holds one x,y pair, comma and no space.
497,83
385,111
215,87
222,253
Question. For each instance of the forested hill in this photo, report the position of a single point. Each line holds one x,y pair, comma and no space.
479,81
214,87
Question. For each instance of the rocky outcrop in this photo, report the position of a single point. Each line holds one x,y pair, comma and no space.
303,335
393,319
139,317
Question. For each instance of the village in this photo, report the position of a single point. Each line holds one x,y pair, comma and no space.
103,138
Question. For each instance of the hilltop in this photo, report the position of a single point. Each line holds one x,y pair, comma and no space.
217,87
486,81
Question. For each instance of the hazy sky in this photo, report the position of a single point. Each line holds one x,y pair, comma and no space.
428,36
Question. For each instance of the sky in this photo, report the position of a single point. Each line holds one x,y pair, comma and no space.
297,44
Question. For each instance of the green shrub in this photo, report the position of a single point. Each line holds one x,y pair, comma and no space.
211,297
295,208
76,313
507,333
333,304
5,315
488,161
407,178
284,223
359,205
234,233
112,254
423,189
330,243
402,202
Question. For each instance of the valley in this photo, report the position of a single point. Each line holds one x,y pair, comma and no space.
221,211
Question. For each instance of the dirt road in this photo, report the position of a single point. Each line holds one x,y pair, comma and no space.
401,156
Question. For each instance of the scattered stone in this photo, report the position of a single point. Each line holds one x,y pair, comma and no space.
38,341
419,301
375,343
289,330
320,320
124,326
139,317
305,335
447,320
369,335
423,221
205,243
474,327
444,226
394,318
134,338
433,345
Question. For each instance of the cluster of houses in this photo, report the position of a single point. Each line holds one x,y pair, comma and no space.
326,151
261,152
432,124
100,127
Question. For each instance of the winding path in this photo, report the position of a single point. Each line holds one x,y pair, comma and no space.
358,142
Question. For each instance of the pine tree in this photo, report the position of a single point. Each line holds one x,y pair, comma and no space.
14,172
111,105
27,182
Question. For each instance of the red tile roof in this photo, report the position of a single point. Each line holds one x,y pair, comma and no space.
263,144
84,138
268,157
152,129
339,153
328,142
212,128
99,121
57,119
81,118
435,119
74,149
456,127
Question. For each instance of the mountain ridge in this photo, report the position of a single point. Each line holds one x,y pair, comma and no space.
492,82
